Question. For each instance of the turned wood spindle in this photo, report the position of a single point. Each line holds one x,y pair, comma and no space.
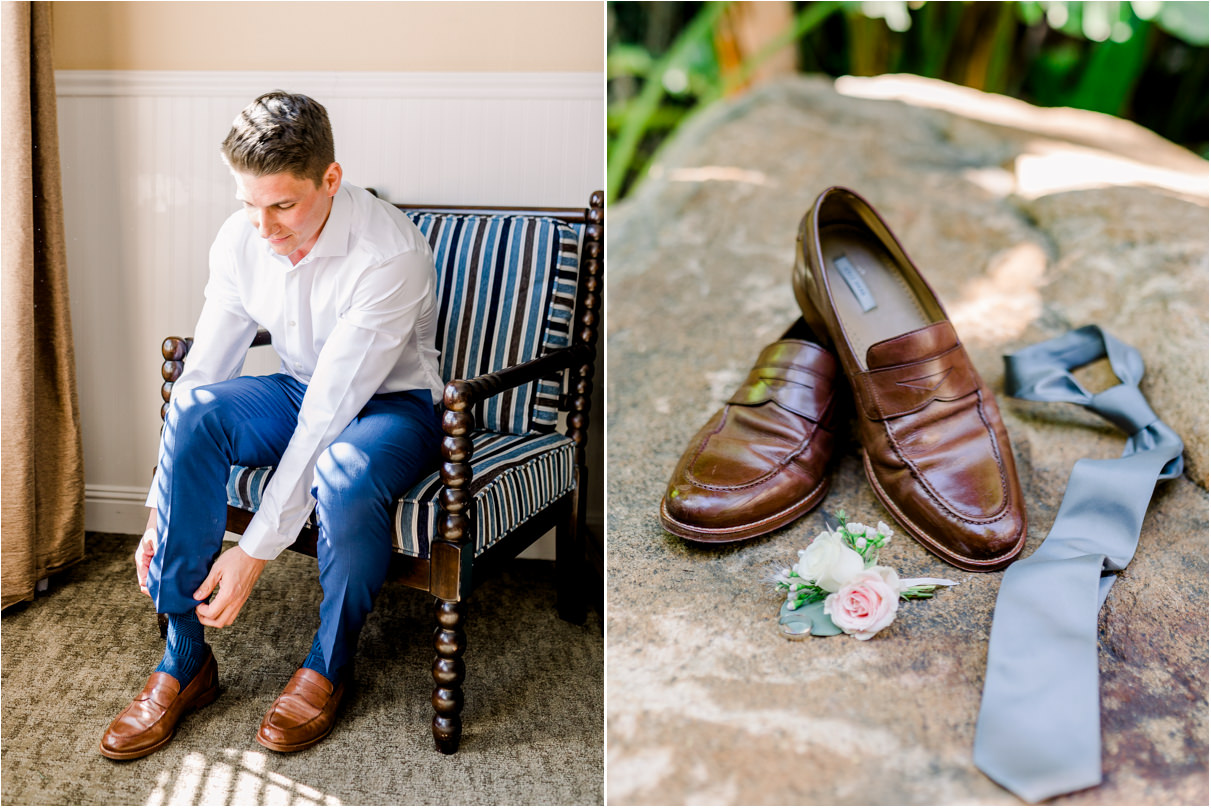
449,671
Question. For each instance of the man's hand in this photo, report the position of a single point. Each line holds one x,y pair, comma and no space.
237,572
143,555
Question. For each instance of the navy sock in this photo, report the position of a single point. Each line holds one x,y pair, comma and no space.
315,661
186,649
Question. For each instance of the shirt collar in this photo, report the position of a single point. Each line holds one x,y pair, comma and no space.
334,238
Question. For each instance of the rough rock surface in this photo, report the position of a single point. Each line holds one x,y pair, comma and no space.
706,704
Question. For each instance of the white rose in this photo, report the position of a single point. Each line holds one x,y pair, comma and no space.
890,577
829,562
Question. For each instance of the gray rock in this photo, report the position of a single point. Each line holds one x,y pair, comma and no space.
706,703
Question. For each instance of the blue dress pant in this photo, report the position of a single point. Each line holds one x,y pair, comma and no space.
248,421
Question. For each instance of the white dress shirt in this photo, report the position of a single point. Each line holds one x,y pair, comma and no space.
355,317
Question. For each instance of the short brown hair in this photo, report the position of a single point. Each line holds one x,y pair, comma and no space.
281,132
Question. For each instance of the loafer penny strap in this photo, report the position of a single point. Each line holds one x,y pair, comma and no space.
161,689
894,391
310,686
794,375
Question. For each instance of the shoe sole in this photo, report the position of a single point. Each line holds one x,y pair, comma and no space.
298,747
204,699
923,539
751,530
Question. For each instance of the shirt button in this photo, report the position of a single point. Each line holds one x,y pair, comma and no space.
291,323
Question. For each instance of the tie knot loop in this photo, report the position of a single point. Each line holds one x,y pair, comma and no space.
1124,406
1042,372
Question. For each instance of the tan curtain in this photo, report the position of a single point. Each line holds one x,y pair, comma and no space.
42,478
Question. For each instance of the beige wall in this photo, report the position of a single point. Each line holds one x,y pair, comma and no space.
400,36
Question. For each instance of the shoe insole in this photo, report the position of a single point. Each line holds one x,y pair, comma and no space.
872,299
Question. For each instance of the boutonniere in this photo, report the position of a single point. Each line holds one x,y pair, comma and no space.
838,585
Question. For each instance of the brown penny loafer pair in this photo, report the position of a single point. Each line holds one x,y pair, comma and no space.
300,718
150,721
934,448
303,715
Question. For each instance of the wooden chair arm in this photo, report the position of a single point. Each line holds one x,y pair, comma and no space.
462,394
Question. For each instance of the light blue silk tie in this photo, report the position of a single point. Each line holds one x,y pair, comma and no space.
1039,728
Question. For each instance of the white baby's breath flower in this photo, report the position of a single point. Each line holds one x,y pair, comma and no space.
856,529
883,530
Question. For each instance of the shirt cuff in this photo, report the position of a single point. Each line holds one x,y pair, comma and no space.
259,541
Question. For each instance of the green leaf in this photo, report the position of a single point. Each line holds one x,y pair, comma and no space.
807,619
1109,78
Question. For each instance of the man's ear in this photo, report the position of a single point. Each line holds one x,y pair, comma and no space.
332,179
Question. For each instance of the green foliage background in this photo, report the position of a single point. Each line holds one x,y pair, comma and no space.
1144,60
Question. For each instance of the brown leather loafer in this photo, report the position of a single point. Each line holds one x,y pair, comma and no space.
303,715
935,449
151,719
761,461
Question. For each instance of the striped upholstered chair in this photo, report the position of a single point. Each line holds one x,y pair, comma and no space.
519,300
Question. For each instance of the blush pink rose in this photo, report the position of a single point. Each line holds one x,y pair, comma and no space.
866,604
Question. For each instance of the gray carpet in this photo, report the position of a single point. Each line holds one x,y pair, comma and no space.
532,724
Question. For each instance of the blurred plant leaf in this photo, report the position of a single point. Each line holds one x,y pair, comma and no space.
711,86
1113,70
940,24
622,151
1186,21
1000,51
1030,12
627,60
807,20
1063,16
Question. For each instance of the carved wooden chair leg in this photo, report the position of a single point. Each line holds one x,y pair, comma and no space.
449,671
571,535
570,566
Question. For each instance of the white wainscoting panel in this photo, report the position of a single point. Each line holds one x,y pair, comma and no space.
145,191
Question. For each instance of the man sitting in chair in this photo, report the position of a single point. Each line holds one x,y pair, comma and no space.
346,286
